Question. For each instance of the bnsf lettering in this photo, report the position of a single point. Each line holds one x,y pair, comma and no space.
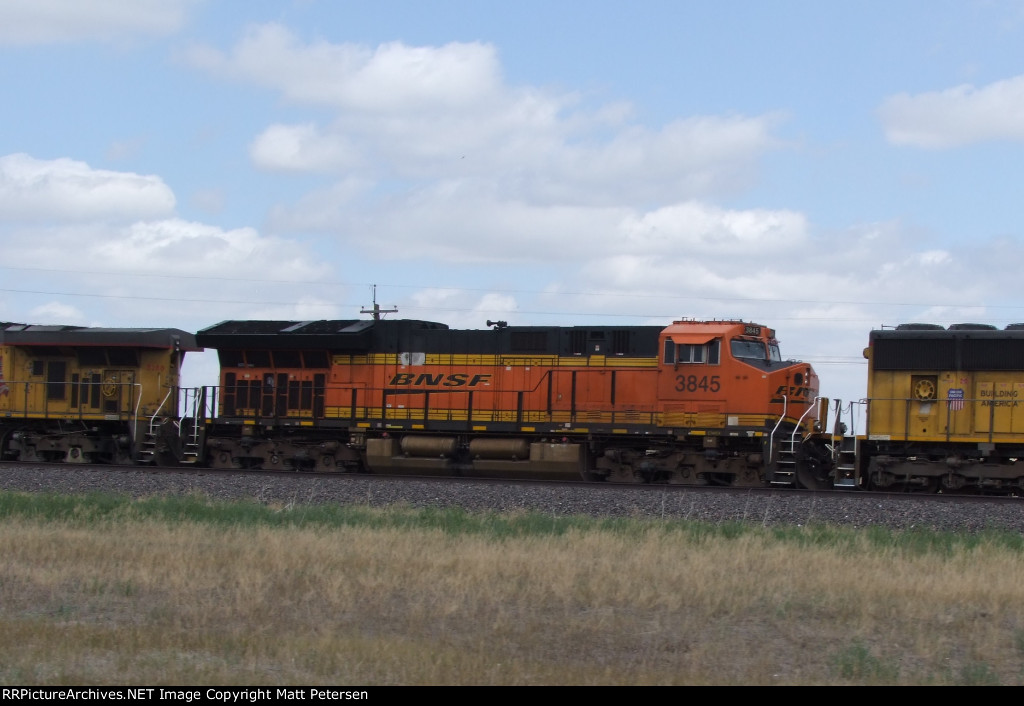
791,392
439,380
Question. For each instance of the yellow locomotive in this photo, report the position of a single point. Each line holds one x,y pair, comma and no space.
80,394
945,409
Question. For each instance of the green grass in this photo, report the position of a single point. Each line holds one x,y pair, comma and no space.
185,589
97,507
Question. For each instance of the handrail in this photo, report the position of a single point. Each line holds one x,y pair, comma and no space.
813,405
156,413
135,416
771,437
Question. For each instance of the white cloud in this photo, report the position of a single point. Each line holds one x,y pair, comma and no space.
704,230
934,257
170,258
553,160
50,21
391,77
457,223
957,116
324,210
459,308
67,190
155,246
52,312
695,156
445,113
209,200
305,308
107,237
303,148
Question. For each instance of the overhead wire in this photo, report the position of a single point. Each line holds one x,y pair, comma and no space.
532,292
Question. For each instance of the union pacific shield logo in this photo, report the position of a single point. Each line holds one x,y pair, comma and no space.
956,399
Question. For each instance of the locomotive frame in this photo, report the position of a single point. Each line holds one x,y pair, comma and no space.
694,402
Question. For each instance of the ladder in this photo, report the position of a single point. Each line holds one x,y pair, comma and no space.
188,427
149,443
846,464
783,472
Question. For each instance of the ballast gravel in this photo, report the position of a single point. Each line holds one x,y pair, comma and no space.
792,508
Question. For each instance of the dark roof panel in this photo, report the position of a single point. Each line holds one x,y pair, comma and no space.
407,335
961,347
39,335
342,336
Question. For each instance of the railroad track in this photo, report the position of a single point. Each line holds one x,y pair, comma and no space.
763,506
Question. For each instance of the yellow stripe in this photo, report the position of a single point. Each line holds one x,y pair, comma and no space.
504,360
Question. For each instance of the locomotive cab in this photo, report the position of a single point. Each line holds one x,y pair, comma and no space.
739,413
732,368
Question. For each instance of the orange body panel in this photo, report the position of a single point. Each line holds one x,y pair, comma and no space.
731,375
692,402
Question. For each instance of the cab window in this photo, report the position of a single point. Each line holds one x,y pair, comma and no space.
707,353
747,349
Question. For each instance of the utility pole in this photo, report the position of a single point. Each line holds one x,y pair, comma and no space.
376,310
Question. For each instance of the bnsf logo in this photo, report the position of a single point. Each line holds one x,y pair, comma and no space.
791,392
439,380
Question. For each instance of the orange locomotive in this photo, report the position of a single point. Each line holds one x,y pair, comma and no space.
696,402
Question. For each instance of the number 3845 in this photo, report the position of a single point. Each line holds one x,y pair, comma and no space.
693,383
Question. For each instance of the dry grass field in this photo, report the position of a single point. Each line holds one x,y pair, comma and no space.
107,591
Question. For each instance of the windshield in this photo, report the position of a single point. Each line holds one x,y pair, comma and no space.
747,349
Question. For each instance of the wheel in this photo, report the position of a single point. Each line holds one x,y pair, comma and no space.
923,485
814,468
813,474
5,452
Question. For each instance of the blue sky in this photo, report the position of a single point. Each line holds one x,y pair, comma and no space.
821,168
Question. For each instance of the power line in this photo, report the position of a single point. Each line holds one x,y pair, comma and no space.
408,307
533,292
